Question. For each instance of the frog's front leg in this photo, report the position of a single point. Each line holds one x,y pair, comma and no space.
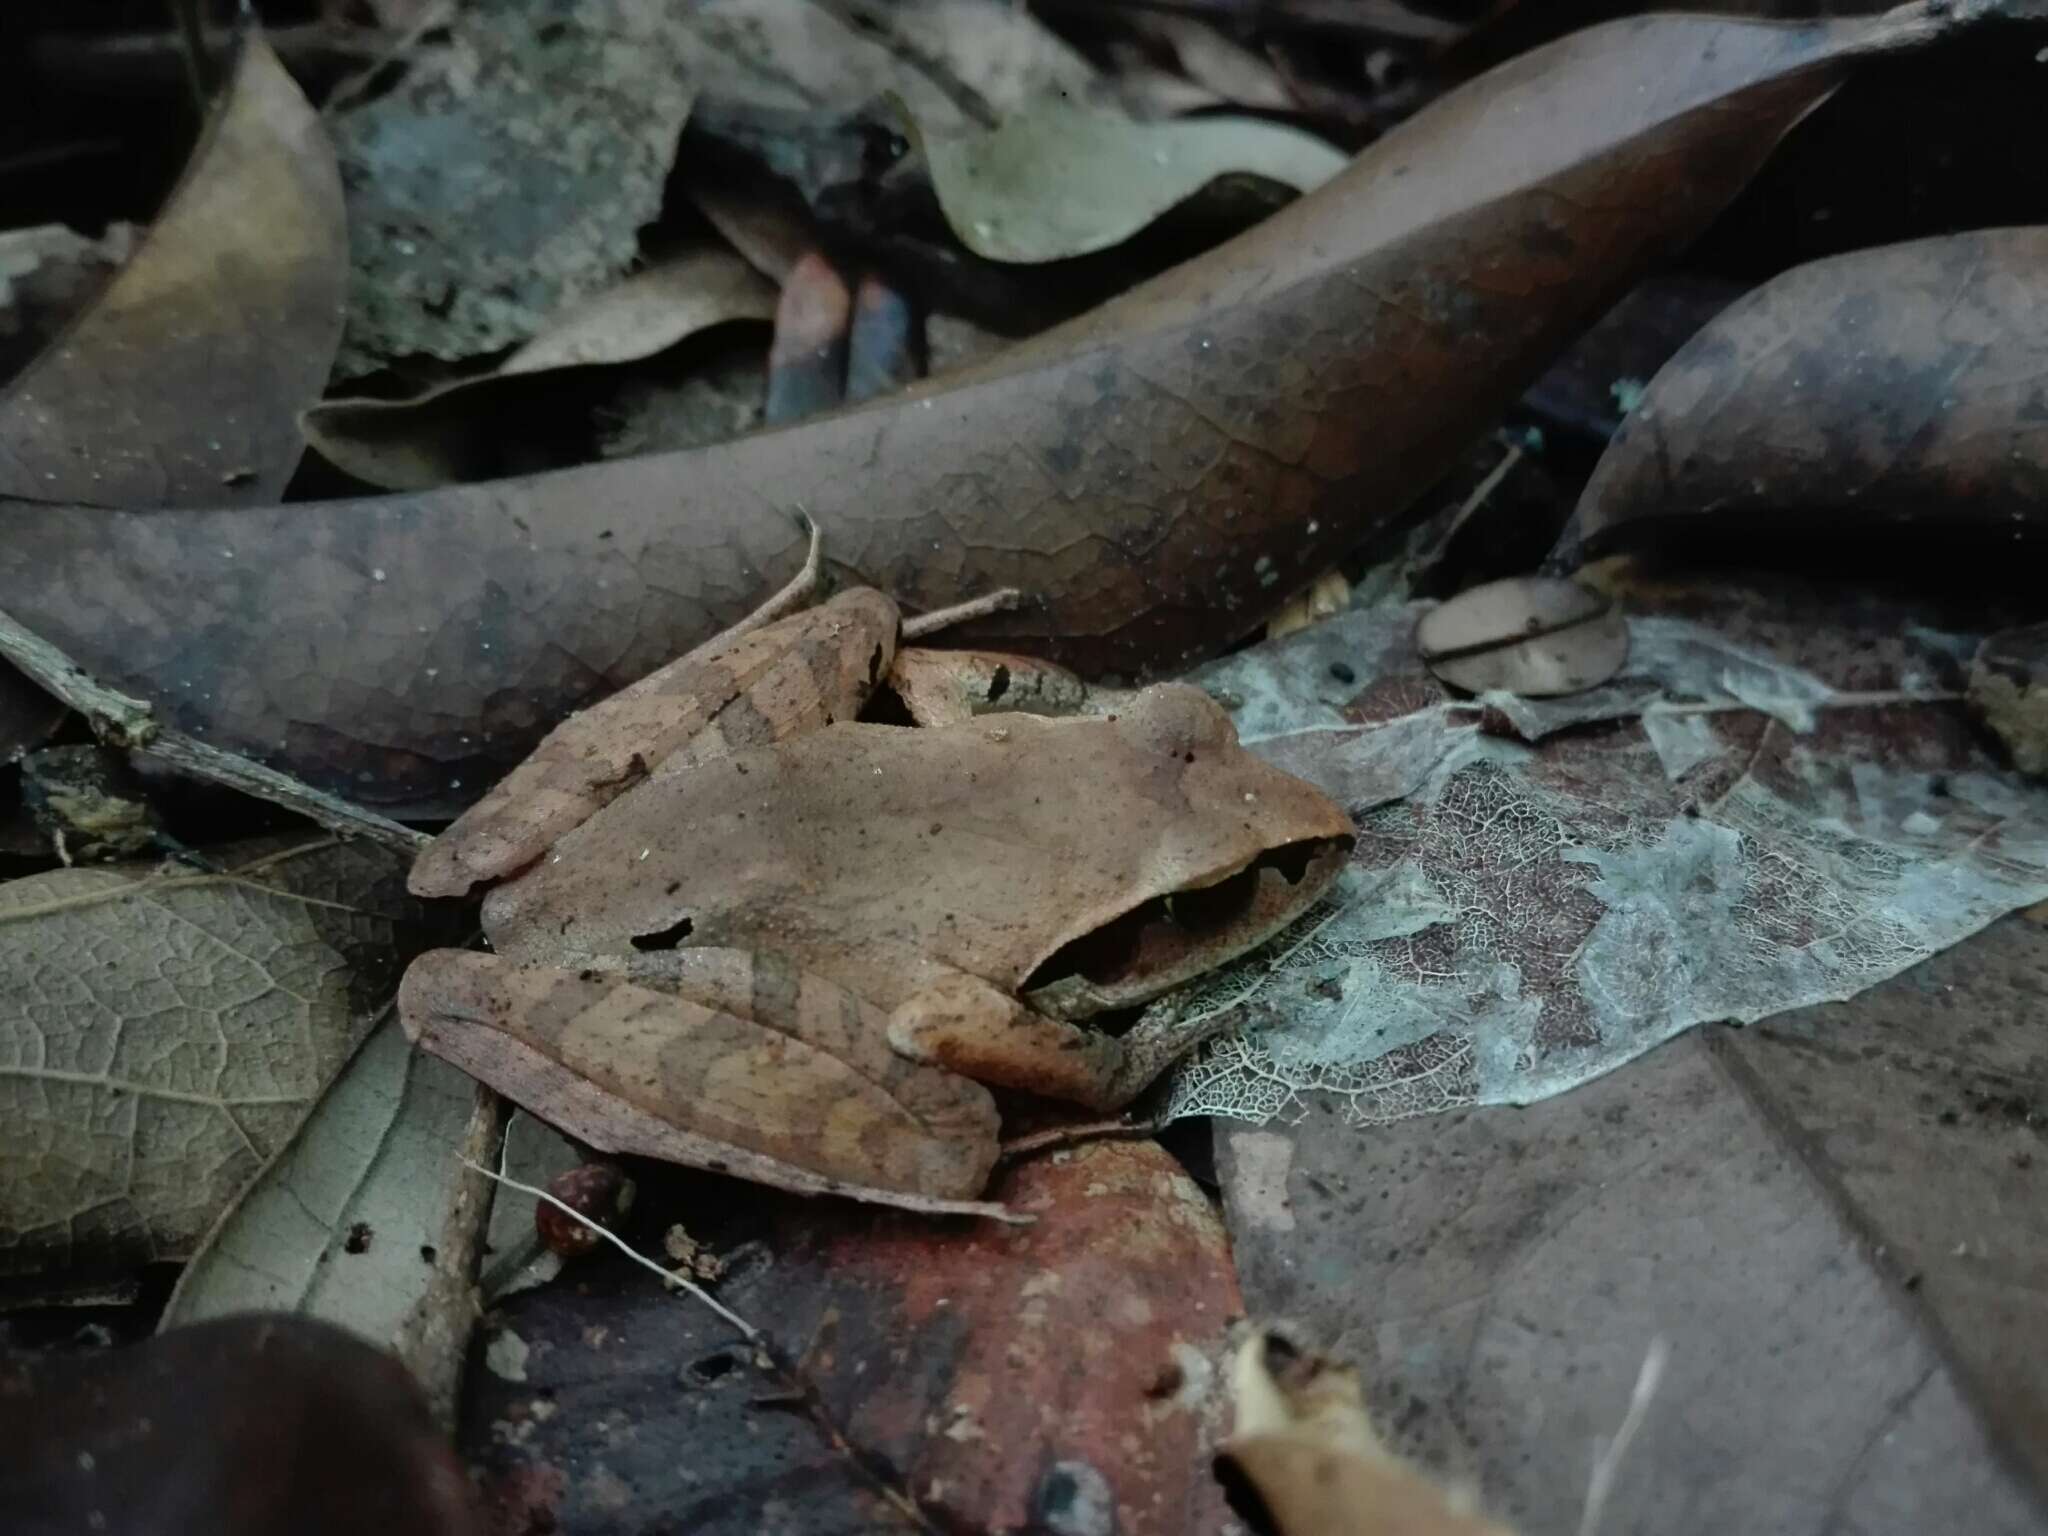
971,1027
636,1064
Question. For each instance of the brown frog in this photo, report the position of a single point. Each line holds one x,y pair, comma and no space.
793,945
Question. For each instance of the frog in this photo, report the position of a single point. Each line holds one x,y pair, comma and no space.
806,954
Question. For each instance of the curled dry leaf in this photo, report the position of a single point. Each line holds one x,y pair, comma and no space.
1537,636
179,386
1894,385
167,1031
1303,1458
1157,476
342,1224
456,432
1057,180
943,1359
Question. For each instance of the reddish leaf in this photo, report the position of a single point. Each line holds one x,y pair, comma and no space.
1156,476
996,1376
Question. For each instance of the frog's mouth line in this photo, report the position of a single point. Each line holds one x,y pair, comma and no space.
1167,940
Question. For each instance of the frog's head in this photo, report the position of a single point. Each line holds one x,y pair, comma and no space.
1247,849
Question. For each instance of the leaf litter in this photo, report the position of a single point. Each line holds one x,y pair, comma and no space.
168,1030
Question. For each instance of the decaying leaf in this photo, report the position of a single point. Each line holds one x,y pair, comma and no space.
342,1224
1536,636
179,386
1786,803
453,432
552,131
2009,688
1895,385
89,803
1057,180
1156,477
1057,1377
1303,1458
1879,1363
166,1032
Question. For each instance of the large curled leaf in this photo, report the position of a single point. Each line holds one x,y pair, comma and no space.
1057,180
180,386
1905,384
165,1030
1156,477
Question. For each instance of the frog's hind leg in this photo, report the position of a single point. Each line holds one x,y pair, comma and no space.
642,1069
966,1025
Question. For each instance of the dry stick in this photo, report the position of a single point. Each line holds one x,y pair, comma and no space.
1059,1137
792,1380
795,594
974,608
122,721
433,1340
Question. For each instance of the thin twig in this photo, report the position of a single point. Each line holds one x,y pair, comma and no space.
1608,1462
433,1339
126,722
793,596
1059,1137
974,608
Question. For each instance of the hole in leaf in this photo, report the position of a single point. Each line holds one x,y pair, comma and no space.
713,1366
664,938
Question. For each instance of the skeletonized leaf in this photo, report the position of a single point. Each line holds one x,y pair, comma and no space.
451,432
179,387
1056,180
341,1225
1156,476
1537,636
1904,383
165,1031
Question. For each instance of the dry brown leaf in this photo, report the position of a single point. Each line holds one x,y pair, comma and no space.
1157,476
456,432
166,1030
180,385
1886,386
1308,1462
